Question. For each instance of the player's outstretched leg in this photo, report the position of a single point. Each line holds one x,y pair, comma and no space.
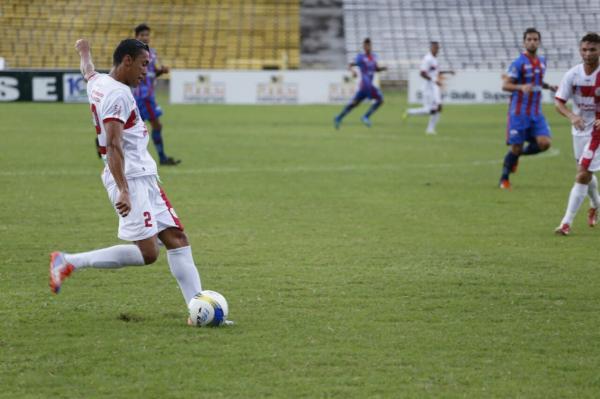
63,264
337,121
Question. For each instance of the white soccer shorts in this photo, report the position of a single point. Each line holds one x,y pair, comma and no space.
151,212
432,97
579,143
590,157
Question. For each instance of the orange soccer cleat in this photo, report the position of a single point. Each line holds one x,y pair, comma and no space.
59,271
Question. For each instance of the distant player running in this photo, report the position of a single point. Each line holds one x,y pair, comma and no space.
582,84
526,122
432,94
367,64
144,97
130,177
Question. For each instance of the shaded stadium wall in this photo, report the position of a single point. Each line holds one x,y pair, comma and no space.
322,44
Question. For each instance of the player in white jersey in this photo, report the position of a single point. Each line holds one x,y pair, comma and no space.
432,94
130,178
581,84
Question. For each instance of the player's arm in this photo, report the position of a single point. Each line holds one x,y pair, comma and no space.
510,84
86,66
576,120
549,86
116,163
162,70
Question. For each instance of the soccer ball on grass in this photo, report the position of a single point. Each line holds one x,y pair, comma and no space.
208,309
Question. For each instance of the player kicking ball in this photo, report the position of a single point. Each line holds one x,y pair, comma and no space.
581,84
130,177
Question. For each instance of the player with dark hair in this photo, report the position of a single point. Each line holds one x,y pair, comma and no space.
432,94
144,97
130,177
582,85
367,64
526,122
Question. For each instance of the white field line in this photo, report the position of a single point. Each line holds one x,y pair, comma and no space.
292,169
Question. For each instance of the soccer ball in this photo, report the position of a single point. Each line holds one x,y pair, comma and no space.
208,309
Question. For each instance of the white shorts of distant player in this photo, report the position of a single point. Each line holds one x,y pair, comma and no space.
590,154
151,211
432,96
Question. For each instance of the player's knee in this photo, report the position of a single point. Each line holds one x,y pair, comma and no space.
583,177
150,255
517,149
174,238
544,145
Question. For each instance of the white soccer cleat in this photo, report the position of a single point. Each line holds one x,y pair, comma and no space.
431,132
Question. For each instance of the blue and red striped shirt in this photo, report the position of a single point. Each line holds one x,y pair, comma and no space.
146,86
527,70
368,66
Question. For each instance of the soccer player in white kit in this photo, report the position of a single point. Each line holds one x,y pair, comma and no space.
432,94
130,177
582,84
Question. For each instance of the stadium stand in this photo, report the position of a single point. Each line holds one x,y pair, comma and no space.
475,34
186,33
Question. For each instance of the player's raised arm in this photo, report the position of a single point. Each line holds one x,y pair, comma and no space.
86,66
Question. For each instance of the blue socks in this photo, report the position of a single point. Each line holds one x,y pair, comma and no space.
531,149
158,143
344,112
510,161
373,108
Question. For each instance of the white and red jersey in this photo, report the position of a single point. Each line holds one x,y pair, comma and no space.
584,90
112,100
429,65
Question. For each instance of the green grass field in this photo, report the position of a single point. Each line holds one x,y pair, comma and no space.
357,263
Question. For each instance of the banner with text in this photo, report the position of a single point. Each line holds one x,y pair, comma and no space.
261,87
471,87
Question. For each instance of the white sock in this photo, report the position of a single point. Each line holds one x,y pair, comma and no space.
578,193
593,193
418,111
184,270
433,120
108,258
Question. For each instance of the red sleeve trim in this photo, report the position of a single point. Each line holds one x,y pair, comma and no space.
112,119
560,99
92,76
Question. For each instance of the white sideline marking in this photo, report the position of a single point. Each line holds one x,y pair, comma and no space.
553,152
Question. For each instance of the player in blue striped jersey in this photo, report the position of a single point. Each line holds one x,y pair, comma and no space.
526,122
367,64
144,97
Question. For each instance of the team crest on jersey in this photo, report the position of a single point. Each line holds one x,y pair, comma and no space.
513,132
